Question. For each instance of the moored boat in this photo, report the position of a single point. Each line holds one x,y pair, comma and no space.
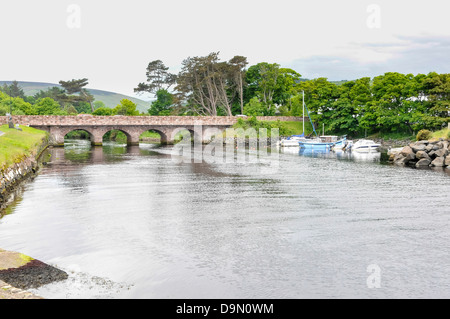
365,146
322,143
291,141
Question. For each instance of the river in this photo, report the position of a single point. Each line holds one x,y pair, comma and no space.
132,222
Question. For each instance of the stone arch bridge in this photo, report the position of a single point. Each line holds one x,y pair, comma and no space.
201,127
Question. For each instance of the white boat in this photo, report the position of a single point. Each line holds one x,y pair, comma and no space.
342,147
365,146
291,141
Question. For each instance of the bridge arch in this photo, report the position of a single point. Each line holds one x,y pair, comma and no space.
111,131
60,135
194,134
162,133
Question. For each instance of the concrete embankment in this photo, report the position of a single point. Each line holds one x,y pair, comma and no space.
424,154
21,154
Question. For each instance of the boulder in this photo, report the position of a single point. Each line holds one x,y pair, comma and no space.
423,162
447,161
417,147
406,151
429,148
438,153
422,154
399,159
438,162
435,147
442,144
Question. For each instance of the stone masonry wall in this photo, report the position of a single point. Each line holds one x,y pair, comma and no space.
90,120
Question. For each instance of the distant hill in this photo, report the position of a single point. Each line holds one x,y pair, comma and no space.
110,99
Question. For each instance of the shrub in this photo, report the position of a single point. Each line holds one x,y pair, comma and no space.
424,135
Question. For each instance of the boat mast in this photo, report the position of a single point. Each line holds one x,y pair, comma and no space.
304,112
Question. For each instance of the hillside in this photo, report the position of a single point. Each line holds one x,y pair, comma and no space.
110,99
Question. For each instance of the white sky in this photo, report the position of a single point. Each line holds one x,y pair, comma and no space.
117,39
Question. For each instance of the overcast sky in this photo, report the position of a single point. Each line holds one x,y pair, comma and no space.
111,42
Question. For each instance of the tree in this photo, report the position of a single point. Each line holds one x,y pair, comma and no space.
256,108
163,103
262,80
13,90
393,93
285,86
437,89
126,107
47,106
203,85
237,67
77,86
56,93
320,94
158,78
103,111
99,104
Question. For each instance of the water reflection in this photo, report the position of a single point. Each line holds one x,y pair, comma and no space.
375,157
199,230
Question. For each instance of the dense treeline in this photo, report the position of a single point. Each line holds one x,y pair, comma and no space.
392,102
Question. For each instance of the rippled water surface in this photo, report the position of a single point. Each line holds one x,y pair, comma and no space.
132,222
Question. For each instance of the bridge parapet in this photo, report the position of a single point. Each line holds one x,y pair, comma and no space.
90,120
132,126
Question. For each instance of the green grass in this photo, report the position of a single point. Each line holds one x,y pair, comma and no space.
150,134
445,133
286,128
15,144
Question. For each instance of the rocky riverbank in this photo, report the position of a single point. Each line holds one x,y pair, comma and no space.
424,154
19,272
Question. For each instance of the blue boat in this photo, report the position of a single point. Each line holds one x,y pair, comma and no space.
320,143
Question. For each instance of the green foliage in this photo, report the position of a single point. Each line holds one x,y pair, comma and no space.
126,107
47,106
103,111
83,107
163,103
271,84
257,108
99,104
424,135
13,90
253,123
70,110
116,136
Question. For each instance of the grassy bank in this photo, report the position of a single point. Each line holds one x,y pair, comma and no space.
15,144
285,128
445,133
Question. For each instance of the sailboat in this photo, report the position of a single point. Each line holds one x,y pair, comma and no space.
324,143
